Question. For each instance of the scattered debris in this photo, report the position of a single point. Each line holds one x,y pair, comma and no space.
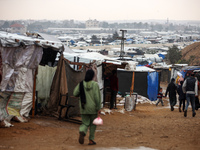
5,124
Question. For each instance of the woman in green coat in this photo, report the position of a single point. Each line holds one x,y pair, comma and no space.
90,105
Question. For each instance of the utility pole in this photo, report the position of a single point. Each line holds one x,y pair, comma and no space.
122,43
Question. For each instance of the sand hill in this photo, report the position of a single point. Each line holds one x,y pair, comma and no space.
191,54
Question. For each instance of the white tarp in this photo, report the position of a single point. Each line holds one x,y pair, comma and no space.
27,103
144,69
18,63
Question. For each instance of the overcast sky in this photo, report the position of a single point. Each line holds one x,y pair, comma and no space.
100,9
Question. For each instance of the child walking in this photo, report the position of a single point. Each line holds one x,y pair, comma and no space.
159,97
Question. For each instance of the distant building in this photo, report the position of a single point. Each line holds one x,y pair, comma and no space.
92,23
17,28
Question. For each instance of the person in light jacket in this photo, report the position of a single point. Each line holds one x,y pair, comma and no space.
190,87
90,105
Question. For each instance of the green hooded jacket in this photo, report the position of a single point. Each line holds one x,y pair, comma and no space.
92,95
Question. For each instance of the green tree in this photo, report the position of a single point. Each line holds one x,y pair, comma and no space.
94,39
174,54
115,35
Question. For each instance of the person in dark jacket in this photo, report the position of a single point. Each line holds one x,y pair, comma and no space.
172,88
181,96
190,87
114,86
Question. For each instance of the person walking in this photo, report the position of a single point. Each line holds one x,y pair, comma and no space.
190,87
90,105
159,97
114,86
172,88
182,96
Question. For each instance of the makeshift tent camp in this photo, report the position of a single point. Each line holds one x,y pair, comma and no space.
146,81
21,56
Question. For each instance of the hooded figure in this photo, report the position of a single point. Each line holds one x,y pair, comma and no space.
90,105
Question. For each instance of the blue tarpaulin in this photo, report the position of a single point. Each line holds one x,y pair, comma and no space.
161,55
152,90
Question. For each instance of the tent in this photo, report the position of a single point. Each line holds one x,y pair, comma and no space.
146,81
70,71
20,57
186,69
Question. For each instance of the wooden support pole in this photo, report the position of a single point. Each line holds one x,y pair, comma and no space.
132,84
34,90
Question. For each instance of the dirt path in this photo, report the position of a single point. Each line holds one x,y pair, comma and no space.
149,126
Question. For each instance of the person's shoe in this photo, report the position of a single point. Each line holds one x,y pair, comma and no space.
91,142
185,113
172,108
193,115
179,109
81,137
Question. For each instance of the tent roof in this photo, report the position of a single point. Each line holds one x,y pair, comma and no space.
90,56
151,55
144,69
49,37
191,68
14,40
16,25
140,69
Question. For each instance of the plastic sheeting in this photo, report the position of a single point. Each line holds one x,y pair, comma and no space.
18,63
153,85
43,83
10,105
65,80
4,97
26,104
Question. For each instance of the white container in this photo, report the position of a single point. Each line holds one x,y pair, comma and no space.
129,103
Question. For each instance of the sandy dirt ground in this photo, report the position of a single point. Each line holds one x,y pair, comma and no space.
148,126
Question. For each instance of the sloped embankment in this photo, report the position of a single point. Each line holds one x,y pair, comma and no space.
191,54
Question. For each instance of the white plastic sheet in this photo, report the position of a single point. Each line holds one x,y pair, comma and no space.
17,65
26,104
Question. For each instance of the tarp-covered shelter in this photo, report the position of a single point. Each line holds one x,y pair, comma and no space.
146,81
164,73
71,70
189,69
20,56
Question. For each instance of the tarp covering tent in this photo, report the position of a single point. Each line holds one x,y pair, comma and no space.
21,56
186,69
65,80
146,81
43,85
70,73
